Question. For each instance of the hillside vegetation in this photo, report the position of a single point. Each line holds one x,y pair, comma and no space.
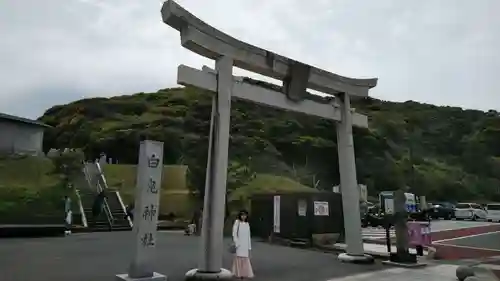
28,185
445,153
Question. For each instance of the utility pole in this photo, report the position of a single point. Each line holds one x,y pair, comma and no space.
411,136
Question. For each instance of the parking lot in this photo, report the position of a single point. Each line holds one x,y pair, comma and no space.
442,225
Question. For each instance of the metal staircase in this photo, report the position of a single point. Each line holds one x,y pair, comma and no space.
118,212
112,218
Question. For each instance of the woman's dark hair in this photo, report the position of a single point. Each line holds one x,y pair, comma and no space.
241,213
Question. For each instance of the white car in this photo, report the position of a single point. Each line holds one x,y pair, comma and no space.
493,212
470,211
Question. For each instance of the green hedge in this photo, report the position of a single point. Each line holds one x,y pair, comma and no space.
24,203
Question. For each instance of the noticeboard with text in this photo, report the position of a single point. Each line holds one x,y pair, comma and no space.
321,208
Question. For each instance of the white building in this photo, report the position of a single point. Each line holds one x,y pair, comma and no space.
20,135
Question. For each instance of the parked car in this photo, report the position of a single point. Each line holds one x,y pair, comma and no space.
493,210
471,211
443,210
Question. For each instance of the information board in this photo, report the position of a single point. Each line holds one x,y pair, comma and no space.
321,208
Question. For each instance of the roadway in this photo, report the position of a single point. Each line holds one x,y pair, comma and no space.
100,256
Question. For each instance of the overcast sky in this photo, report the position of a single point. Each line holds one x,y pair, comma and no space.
444,52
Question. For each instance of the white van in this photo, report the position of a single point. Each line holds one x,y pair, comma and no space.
493,212
469,211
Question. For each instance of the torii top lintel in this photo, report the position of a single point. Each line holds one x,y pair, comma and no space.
209,42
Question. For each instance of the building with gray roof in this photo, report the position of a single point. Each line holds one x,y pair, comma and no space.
21,135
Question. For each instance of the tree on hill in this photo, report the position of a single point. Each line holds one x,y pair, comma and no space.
445,153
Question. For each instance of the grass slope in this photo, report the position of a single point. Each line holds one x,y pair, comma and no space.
28,188
175,196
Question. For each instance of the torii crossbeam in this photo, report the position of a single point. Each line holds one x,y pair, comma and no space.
297,77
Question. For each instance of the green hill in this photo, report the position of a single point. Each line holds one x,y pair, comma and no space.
265,184
454,152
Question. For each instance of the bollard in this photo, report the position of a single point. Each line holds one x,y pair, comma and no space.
420,250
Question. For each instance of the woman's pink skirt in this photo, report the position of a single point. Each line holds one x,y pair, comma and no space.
242,267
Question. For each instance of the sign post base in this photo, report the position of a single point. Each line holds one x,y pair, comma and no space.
363,259
222,275
155,277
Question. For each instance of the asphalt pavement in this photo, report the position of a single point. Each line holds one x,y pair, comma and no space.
100,256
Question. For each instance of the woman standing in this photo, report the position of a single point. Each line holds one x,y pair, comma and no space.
69,215
242,268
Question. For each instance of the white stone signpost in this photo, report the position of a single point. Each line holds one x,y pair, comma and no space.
147,199
297,77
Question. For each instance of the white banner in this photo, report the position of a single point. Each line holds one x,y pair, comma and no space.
363,193
302,208
389,206
336,189
277,214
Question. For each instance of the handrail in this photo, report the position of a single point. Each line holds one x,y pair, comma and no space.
106,205
80,207
99,189
101,174
120,200
103,179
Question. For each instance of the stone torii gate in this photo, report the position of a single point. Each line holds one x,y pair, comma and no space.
297,77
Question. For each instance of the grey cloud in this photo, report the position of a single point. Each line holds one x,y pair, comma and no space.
441,52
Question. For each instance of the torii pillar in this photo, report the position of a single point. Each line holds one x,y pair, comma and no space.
349,185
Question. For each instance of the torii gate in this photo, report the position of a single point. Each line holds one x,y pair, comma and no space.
227,52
